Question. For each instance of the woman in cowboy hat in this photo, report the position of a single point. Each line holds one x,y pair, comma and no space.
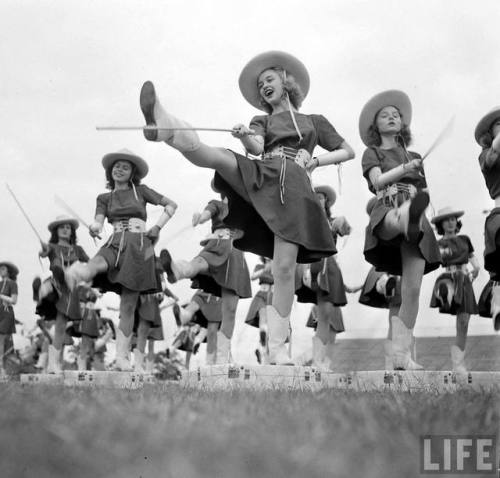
8,298
399,239
487,135
54,300
126,263
219,269
453,293
270,200
321,283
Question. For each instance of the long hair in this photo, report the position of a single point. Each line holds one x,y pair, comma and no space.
440,230
54,238
404,137
290,86
110,182
486,139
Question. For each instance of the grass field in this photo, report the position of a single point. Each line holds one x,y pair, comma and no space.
166,431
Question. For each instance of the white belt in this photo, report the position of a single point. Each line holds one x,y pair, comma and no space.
457,268
394,189
133,224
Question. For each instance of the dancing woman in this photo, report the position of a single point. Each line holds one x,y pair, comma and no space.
399,240
8,298
270,200
487,135
127,258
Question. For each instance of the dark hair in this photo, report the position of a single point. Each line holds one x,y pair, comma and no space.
328,204
440,230
487,138
11,273
403,137
110,182
290,86
54,238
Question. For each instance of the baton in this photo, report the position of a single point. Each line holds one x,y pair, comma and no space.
23,212
158,128
445,131
73,213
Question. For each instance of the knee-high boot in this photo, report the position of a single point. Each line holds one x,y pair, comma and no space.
122,351
401,346
278,329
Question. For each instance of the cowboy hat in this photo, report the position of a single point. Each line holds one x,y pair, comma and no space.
63,219
328,191
485,122
395,98
11,268
445,213
126,155
249,76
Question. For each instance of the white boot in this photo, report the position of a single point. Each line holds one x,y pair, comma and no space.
42,360
76,273
388,354
401,346
457,359
210,358
223,355
55,360
81,363
150,365
122,351
278,328
495,305
180,136
319,351
139,361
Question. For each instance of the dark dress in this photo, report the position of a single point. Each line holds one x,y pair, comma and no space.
335,320
491,176
386,255
129,255
227,267
263,297
282,201
458,251
8,287
372,298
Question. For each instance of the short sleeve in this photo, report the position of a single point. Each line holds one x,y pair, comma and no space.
81,254
470,247
213,207
259,125
102,204
369,161
328,138
150,195
13,288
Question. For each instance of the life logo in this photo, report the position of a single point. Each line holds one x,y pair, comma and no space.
458,454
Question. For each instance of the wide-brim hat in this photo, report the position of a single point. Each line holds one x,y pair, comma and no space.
11,268
485,122
270,59
328,191
126,155
398,99
63,219
445,213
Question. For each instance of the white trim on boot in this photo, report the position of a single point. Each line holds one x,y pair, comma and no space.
401,346
223,354
458,359
278,330
139,365
319,353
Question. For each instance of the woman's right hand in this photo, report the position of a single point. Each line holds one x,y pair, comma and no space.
240,131
414,164
95,229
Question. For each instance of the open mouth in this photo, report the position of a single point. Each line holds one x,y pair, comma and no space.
268,92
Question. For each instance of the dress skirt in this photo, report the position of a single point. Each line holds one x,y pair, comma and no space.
386,255
290,211
484,304
463,300
372,298
335,320
7,320
210,308
491,252
260,300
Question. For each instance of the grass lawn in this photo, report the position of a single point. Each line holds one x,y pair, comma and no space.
167,431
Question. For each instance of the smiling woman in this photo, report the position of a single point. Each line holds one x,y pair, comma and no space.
271,201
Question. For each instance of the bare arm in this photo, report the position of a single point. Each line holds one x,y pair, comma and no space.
475,266
252,142
380,180
200,218
344,153
11,300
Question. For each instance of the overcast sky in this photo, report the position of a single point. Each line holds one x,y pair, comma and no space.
70,66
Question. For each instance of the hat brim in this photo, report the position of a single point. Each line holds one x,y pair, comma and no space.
442,217
55,224
485,123
398,99
141,166
328,191
249,76
13,270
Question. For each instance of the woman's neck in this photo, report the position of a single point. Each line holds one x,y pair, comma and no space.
281,107
450,234
121,186
388,141
63,242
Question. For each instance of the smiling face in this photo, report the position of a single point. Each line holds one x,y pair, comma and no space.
388,120
64,231
121,172
4,271
449,225
270,87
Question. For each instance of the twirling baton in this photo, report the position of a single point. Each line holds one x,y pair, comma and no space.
73,213
23,212
445,131
158,128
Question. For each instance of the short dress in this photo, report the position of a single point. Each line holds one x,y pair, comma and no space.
62,300
87,324
129,255
386,255
210,308
372,298
491,176
282,201
227,267
263,297
335,320
8,287
484,304
458,251
327,283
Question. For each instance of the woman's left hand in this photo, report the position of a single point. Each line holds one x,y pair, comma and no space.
341,226
154,234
